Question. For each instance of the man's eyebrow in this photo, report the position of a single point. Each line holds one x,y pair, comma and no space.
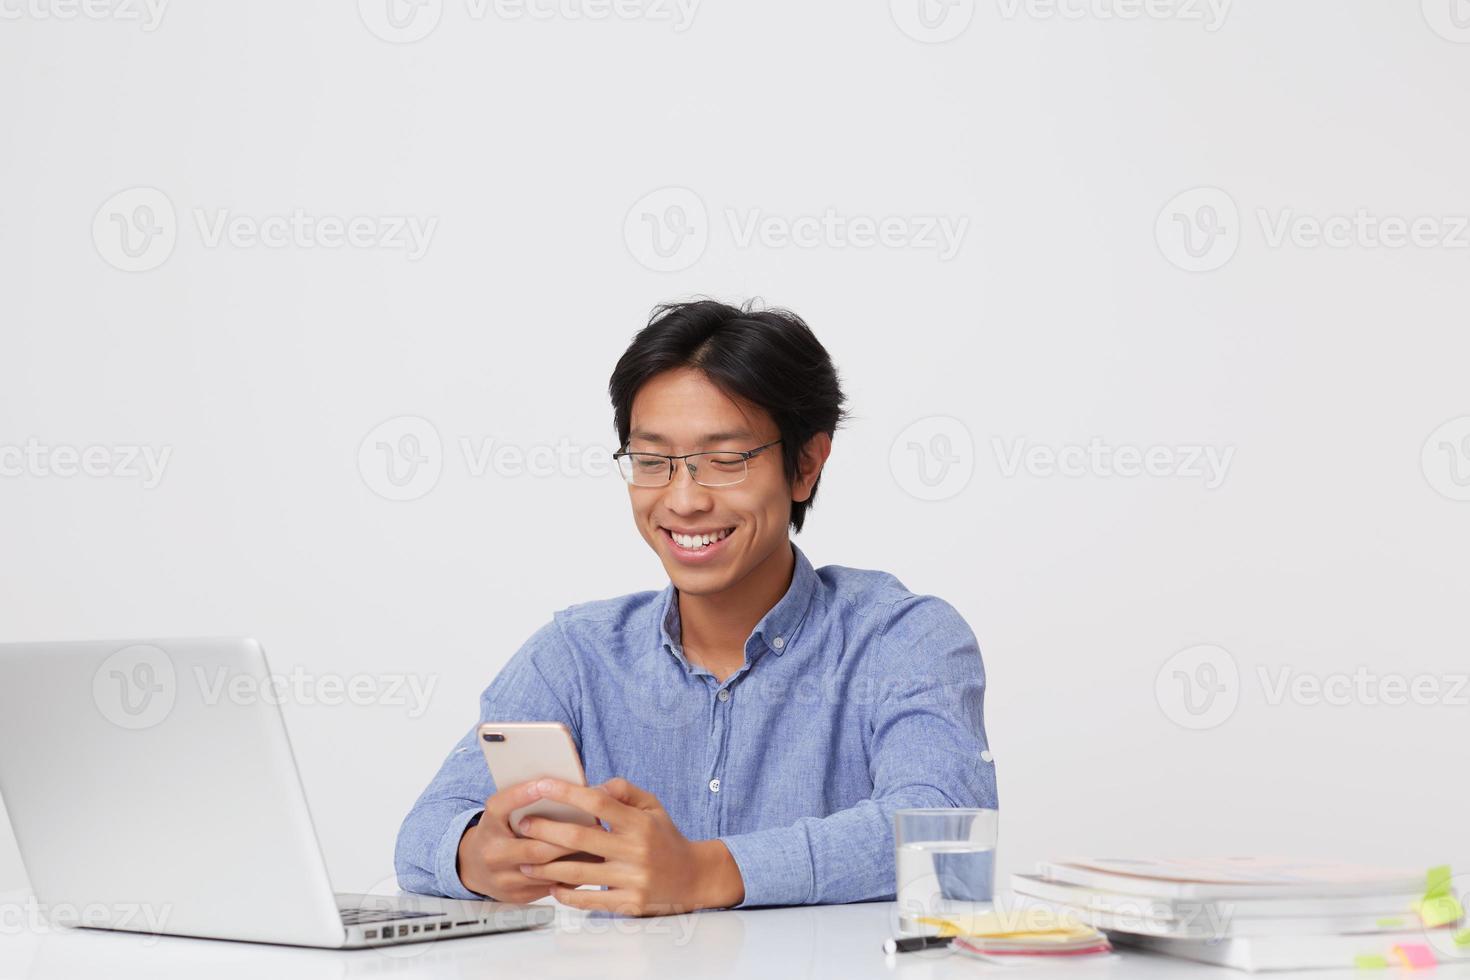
642,435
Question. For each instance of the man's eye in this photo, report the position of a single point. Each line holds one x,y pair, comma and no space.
649,462
727,461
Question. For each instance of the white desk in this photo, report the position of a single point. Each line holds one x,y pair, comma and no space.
836,941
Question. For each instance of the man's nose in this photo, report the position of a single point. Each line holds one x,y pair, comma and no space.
684,496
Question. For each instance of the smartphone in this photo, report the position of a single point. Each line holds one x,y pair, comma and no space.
520,751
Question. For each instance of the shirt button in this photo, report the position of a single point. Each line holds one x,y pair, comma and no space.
714,785
724,694
778,643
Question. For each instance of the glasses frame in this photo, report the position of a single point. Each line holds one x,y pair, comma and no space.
747,455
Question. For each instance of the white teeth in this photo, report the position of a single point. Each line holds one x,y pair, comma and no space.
695,542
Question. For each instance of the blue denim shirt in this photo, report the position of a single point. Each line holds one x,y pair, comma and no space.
856,698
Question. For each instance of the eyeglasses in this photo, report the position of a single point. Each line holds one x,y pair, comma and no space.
708,469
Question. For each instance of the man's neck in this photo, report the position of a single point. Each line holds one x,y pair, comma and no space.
714,628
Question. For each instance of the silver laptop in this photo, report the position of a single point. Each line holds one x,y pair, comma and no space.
145,800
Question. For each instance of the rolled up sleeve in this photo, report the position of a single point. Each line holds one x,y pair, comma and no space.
534,686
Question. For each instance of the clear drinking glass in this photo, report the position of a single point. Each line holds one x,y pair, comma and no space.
945,865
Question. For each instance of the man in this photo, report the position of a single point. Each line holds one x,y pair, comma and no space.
750,729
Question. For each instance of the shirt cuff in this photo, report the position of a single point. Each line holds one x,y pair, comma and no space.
775,864
446,858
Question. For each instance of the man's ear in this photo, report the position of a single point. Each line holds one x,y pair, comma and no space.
809,466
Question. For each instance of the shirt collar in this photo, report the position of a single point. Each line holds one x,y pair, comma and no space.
775,629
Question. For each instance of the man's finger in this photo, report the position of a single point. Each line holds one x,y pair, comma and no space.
608,901
603,806
503,803
574,836
523,850
625,792
577,873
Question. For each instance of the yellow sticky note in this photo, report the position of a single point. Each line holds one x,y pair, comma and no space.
1441,910
1390,923
1371,962
1439,882
1462,938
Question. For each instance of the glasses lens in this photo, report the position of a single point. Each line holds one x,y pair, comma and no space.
718,469
644,469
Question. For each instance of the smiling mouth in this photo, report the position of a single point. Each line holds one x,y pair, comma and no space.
698,542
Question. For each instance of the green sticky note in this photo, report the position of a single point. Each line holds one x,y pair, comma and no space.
1370,961
1441,910
1390,923
1462,938
1439,882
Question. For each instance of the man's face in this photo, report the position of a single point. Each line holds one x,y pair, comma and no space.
681,411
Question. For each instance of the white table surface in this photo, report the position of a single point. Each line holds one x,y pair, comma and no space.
836,941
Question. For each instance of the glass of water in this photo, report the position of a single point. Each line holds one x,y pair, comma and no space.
945,865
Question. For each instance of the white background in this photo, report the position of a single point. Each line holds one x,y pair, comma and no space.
1329,546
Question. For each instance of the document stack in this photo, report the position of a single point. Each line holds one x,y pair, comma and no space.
1258,914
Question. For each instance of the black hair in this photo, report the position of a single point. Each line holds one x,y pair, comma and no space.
768,357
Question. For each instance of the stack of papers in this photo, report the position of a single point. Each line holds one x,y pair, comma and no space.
1035,933
1261,913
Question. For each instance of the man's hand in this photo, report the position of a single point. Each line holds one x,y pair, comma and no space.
649,868
490,854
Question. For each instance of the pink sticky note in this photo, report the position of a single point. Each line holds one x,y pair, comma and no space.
1415,956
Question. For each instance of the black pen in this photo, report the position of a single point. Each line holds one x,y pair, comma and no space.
915,943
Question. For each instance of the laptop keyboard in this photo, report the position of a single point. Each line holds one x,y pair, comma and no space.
357,917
